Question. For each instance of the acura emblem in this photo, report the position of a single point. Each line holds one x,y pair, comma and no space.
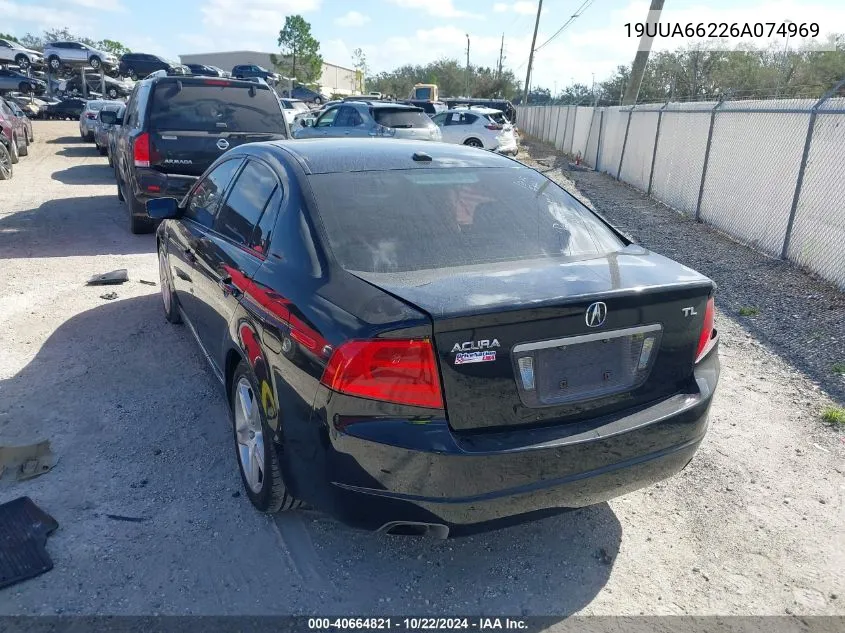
222,144
596,314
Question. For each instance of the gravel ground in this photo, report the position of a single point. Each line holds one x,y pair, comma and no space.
752,526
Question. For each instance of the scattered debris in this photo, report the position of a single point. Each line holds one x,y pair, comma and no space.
120,517
24,528
27,461
109,296
148,283
107,279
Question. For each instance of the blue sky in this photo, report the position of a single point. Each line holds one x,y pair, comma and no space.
394,32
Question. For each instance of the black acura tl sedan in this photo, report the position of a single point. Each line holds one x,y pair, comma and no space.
418,337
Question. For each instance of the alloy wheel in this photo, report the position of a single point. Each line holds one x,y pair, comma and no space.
5,164
250,435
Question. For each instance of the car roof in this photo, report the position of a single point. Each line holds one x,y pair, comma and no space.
319,156
476,109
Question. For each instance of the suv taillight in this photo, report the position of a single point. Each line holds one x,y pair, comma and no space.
708,333
403,371
493,126
142,150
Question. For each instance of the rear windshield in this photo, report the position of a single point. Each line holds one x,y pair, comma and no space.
400,118
215,108
498,117
403,220
95,106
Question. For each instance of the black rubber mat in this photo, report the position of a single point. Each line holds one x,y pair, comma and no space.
24,528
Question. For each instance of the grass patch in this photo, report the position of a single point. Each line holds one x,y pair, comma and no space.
749,311
834,415
839,368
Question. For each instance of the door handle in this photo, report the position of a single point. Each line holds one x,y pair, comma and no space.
228,287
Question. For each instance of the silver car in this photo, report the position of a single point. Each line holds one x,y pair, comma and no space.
374,119
59,54
13,53
88,118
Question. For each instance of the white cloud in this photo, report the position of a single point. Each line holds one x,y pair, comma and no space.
436,8
336,52
31,17
100,5
252,17
524,8
352,19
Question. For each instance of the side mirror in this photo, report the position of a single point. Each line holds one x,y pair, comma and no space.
306,122
109,118
163,208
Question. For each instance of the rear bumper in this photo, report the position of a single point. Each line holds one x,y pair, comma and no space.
383,471
150,183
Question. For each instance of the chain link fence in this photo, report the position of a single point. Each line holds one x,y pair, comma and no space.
769,173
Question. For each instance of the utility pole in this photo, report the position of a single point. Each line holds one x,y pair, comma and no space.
531,54
501,57
466,86
641,58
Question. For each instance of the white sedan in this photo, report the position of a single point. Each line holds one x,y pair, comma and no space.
477,127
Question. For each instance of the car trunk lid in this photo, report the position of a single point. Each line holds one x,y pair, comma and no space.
515,345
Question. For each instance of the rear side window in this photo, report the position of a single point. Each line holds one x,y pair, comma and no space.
403,220
498,117
249,197
400,118
215,106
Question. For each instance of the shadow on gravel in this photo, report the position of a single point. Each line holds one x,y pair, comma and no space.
79,151
552,566
799,316
65,140
95,174
72,226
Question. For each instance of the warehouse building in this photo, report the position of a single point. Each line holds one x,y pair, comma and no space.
334,79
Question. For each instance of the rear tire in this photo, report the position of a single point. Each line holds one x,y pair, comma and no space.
24,151
94,62
474,142
13,152
6,169
22,61
168,297
112,92
254,444
54,63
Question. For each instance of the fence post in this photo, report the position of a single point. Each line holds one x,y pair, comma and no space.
589,133
574,125
654,152
598,147
800,180
557,128
625,141
706,160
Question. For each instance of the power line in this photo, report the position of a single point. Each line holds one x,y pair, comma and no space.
578,12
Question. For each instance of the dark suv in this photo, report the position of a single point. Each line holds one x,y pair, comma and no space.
244,71
139,65
175,127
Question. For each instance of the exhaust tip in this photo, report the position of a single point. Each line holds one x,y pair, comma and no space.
413,528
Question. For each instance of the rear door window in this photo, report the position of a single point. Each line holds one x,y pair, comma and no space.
400,118
207,195
215,106
245,204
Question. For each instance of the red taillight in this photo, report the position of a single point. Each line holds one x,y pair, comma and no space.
402,371
706,338
142,150
217,82
493,126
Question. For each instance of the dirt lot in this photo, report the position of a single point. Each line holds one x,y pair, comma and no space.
752,526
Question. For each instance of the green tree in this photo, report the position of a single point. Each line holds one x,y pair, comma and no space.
7,36
362,69
112,46
450,77
300,56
